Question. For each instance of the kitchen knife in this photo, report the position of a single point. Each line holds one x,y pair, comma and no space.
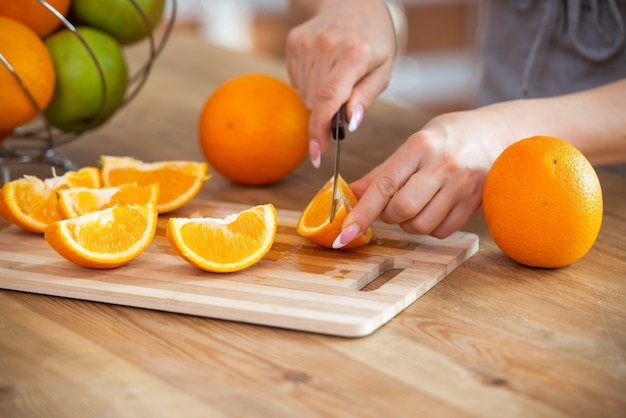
338,131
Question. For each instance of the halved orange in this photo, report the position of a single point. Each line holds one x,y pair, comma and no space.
106,238
314,223
80,200
31,203
179,181
228,244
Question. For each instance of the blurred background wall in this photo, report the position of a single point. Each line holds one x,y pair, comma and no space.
436,67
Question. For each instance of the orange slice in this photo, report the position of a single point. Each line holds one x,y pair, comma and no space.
106,238
179,181
80,200
222,245
31,203
314,222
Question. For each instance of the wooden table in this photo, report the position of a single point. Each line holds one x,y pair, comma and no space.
492,339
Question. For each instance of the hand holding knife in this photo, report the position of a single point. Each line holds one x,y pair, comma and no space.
338,131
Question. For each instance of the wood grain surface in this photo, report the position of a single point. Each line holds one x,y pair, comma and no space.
493,339
297,285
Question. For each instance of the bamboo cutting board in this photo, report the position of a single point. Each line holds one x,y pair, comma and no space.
297,285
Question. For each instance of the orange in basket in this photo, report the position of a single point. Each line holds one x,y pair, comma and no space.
31,61
35,15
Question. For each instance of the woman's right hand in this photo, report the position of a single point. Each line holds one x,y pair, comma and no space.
343,54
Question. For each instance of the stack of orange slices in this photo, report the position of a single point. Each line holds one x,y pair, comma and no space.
102,227
31,203
179,181
106,218
80,200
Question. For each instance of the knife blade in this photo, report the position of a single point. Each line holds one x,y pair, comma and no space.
338,131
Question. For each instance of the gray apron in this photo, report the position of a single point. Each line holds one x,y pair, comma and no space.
540,48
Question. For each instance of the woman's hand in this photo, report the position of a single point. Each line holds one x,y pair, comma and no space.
343,54
432,184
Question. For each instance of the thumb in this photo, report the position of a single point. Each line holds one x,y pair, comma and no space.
363,96
361,217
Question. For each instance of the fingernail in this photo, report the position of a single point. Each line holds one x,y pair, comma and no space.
346,236
356,119
314,153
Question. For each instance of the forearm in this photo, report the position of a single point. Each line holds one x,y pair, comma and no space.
593,120
307,8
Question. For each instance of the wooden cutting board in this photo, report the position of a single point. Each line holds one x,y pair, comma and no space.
297,285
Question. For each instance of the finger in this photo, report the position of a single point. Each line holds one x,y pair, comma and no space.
359,186
412,198
328,99
447,212
456,219
300,56
340,74
326,92
365,212
428,218
291,57
363,96
391,177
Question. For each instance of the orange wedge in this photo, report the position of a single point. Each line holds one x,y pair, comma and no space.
223,245
104,239
314,223
179,181
31,203
80,200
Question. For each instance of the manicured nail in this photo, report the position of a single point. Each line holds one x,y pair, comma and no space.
356,119
314,153
346,236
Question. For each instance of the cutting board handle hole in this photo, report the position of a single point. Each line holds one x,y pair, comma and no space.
379,281
384,272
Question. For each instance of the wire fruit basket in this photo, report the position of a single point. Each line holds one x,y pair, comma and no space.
38,142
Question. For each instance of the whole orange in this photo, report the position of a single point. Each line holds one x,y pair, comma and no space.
35,15
542,202
253,129
30,59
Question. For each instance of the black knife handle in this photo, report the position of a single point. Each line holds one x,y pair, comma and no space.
338,124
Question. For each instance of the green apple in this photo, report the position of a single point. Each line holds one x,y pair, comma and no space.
119,18
78,102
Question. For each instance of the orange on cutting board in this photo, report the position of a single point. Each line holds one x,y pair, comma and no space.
223,245
80,200
106,238
253,129
179,181
35,15
314,223
31,61
542,202
31,203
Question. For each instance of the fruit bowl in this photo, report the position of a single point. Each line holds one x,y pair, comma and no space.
38,141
